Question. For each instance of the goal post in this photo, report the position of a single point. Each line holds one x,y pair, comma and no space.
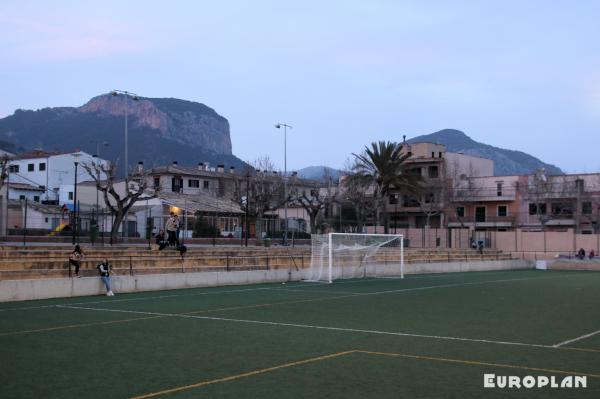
351,255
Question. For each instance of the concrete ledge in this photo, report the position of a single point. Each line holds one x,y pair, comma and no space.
21,290
449,267
574,264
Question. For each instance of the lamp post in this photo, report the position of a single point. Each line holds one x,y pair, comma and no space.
285,193
134,97
75,208
396,196
247,232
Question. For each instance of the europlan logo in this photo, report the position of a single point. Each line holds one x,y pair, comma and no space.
531,382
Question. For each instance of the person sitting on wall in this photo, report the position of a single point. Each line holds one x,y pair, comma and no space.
592,254
160,240
581,253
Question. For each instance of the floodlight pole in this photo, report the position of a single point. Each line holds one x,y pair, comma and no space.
134,97
75,210
247,204
285,191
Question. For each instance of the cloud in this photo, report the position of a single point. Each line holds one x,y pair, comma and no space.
26,40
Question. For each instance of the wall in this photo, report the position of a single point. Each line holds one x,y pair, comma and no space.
20,290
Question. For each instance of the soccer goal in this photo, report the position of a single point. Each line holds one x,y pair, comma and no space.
348,255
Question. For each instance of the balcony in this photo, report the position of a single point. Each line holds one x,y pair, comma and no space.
482,195
482,221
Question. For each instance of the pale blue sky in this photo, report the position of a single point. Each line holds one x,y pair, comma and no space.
516,74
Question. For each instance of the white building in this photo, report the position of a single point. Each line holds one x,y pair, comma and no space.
49,171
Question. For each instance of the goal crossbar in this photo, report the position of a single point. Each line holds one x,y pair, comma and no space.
379,240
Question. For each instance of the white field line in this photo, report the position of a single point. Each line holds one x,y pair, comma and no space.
296,287
576,339
310,326
139,299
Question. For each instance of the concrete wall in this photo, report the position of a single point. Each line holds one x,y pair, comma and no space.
21,290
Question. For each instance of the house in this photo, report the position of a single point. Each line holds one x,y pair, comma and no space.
438,168
50,171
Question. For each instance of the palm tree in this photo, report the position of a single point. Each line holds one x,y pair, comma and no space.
383,165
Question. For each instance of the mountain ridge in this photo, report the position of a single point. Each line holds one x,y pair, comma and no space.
160,130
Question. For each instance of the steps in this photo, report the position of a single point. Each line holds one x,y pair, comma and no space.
52,262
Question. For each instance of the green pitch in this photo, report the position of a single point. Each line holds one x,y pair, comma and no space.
428,336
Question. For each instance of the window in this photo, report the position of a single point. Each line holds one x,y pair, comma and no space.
193,183
499,189
70,195
42,166
460,211
409,201
432,172
45,220
156,182
559,208
429,198
535,209
176,184
393,199
502,210
30,167
13,168
205,184
22,197
440,154
432,154
36,198
586,208
416,171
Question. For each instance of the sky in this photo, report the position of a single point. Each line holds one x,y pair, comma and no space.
522,75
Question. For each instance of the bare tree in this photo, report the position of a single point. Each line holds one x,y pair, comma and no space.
4,159
264,188
538,190
119,204
359,193
315,199
460,189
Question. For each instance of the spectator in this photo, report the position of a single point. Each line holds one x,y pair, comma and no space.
480,246
592,254
160,240
581,253
104,269
171,226
75,259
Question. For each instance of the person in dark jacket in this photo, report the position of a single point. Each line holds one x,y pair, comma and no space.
104,269
161,240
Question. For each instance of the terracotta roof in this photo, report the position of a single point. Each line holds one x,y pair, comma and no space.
25,186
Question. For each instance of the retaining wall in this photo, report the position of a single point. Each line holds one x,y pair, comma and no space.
21,290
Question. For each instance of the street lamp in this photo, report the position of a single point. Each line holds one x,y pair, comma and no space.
247,228
134,97
285,194
75,207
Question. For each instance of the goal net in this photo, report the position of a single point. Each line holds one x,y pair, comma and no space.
346,255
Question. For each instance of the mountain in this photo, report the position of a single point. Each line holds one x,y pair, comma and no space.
319,172
160,131
506,162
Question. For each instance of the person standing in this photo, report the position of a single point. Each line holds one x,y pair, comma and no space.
75,259
171,226
104,269
178,226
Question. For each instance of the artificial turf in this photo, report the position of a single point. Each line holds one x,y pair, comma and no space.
428,336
